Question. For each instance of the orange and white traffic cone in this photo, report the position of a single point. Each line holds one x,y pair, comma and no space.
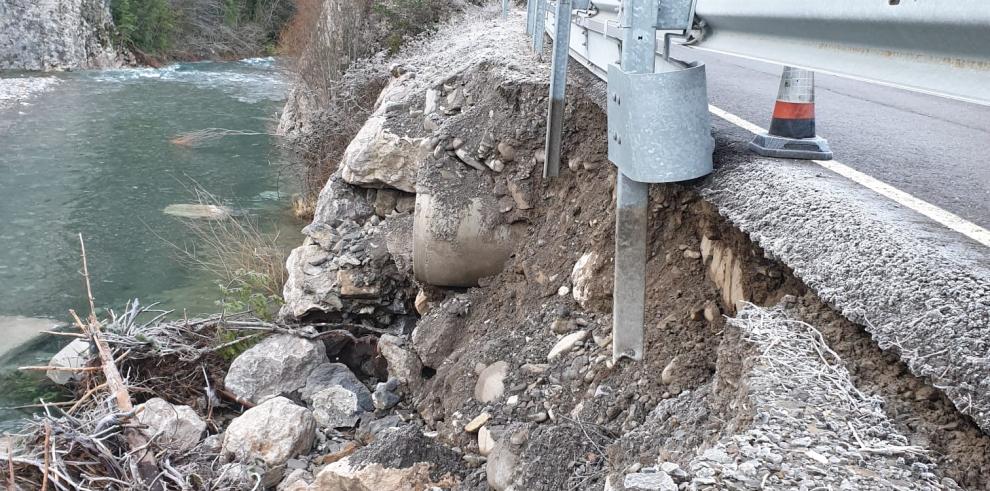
792,129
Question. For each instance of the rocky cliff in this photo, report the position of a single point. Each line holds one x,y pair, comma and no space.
55,34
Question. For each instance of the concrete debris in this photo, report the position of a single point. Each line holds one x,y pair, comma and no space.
278,365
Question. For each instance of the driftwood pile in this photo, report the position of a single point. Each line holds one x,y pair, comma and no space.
95,442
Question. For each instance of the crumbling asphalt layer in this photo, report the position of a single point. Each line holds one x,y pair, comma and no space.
919,291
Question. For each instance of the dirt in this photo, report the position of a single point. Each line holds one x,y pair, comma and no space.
574,421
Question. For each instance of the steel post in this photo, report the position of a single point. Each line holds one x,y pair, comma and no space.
530,16
638,20
505,9
558,87
539,26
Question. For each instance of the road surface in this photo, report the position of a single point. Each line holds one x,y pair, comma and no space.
931,147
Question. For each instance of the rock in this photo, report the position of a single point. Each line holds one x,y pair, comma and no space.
200,211
279,364
712,312
255,435
501,467
496,165
385,201
432,97
74,355
405,203
491,382
485,441
296,480
649,481
566,343
506,152
575,164
349,287
476,423
455,99
422,303
344,476
521,192
590,285
437,333
177,427
336,395
692,254
466,157
403,364
377,157
540,156
669,371
562,326
384,397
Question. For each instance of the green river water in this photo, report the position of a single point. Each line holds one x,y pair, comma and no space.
92,155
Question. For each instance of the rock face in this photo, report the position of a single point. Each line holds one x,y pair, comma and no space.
336,395
345,270
56,34
176,427
278,365
271,432
75,355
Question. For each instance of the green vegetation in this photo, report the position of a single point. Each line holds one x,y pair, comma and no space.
251,291
199,28
407,18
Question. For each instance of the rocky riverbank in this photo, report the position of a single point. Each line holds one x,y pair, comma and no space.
56,35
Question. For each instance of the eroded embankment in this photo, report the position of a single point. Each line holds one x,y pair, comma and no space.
515,376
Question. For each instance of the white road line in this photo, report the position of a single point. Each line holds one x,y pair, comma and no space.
946,218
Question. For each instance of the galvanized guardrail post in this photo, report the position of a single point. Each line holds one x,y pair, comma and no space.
530,16
505,9
558,87
539,26
638,19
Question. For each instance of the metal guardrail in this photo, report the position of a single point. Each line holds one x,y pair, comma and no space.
937,47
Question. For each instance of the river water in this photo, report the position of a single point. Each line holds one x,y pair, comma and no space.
92,155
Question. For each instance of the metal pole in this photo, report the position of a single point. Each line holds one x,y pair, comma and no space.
530,16
505,9
539,27
558,87
638,20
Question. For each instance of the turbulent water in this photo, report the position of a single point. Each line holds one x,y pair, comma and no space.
92,156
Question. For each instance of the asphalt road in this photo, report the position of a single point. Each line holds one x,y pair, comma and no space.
931,147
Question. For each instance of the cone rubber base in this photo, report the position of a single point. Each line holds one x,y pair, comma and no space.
791,148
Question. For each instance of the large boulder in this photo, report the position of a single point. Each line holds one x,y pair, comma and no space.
378,157
74,355
178,428
336,395
270,433
278,365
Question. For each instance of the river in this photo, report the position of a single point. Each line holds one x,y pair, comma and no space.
91,155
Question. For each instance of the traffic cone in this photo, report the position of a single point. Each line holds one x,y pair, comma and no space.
792,129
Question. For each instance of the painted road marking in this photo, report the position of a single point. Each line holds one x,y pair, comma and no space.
946,218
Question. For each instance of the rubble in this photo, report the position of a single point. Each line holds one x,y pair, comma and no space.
255,437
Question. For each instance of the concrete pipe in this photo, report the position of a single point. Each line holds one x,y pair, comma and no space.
457,240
